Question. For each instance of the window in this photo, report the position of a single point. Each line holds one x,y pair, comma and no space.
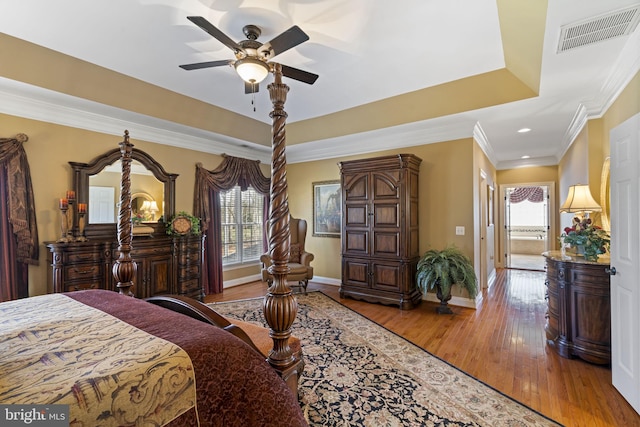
242,228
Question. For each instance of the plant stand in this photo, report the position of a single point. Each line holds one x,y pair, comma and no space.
443,308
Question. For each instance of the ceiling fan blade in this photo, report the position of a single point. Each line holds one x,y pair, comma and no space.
285,41
208,64
251,87
216,33
296,74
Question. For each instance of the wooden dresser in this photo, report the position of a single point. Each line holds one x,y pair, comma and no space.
380,247
165,265
579,307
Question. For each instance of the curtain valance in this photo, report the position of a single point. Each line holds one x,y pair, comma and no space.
231,172
532,194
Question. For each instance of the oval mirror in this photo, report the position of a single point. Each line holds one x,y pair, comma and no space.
104,194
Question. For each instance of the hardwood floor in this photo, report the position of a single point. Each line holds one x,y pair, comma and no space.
503,344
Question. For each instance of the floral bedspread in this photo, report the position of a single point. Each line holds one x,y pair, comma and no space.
56,350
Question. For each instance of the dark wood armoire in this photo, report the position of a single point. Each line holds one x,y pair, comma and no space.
380,247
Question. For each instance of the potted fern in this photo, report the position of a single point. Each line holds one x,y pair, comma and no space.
441,269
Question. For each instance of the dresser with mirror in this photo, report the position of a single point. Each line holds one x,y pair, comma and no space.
165,264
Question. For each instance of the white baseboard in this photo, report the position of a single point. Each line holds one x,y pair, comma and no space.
327,281
241,281
457,301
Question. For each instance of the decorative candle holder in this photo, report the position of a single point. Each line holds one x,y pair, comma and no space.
64,225
70,221
82,212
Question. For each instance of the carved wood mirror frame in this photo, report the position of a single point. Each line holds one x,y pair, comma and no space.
82,172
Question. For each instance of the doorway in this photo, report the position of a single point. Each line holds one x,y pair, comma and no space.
527,226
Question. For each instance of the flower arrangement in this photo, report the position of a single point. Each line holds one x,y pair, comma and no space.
584,233
137,218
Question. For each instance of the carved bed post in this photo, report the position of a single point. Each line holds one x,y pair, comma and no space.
280,306
124,269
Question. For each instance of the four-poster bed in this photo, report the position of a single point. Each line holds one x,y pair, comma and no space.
117,360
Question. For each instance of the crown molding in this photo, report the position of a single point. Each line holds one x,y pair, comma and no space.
578,123
401,136
481,138
36,103
526,163
625,68
32,102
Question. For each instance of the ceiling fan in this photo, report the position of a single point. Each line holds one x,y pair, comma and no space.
252,57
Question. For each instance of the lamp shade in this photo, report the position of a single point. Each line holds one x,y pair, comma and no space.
579,199
153,206
251,70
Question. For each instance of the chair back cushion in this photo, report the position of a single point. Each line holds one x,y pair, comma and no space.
294,253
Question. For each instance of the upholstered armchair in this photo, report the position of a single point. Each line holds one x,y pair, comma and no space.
299,260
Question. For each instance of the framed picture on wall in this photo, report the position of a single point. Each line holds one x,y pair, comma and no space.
327,209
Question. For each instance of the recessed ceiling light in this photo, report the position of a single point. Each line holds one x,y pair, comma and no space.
525,157
524,130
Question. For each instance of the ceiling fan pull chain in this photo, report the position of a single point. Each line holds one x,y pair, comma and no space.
253,96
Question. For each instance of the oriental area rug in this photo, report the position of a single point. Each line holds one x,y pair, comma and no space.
358,373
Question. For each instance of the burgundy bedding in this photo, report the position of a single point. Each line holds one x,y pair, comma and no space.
235,385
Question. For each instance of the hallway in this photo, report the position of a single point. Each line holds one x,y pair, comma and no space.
527,262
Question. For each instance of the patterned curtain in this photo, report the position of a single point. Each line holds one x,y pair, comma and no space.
231,172
18,229
532,194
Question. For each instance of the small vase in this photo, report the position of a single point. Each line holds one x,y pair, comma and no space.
580,250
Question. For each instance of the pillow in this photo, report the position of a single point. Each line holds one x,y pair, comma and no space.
294,253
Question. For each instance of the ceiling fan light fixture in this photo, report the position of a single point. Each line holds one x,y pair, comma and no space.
251,70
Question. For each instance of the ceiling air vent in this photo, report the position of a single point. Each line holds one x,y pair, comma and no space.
603,27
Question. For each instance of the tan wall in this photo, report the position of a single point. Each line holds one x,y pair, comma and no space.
583,162
530,174
51,147
624,107
448,179
446,171
446,199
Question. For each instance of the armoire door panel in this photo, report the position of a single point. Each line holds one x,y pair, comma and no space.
386,277
356,242
357,188
384,187
355,215
356,272
386,244
386,215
